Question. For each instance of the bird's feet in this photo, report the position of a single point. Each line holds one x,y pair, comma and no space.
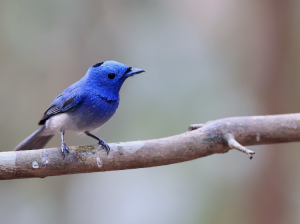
104,145
64,149
100,141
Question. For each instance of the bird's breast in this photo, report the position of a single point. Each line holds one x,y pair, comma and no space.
88,115
91,115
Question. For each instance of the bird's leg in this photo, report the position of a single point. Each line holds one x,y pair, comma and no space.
64,148
101,142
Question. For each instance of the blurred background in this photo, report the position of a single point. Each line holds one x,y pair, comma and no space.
204,60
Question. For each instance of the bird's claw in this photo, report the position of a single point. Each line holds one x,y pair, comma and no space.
64,149
104,145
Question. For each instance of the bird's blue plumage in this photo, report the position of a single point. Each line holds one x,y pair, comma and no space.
85,105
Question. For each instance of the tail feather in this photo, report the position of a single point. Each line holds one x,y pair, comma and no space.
34,141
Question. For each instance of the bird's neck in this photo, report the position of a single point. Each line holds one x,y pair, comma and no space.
108,97
107,93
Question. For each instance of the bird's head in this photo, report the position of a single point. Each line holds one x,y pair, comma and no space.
107,77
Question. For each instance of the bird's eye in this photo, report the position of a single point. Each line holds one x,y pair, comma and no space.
111,75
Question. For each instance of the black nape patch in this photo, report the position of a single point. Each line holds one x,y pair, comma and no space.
97,65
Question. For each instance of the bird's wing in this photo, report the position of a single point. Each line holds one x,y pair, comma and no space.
62,103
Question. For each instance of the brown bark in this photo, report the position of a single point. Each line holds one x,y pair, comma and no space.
213,137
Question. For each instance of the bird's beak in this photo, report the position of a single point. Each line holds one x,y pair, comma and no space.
133,71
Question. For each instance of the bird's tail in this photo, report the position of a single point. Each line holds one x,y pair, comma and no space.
34,141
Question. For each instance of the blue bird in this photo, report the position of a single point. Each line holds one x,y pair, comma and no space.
82,107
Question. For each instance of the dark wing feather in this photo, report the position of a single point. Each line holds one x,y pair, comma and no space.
59,105
52,110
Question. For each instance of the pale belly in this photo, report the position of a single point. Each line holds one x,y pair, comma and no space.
80,120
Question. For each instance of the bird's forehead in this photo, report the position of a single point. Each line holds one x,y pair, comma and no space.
113,65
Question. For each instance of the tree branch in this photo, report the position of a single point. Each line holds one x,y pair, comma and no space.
202,140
